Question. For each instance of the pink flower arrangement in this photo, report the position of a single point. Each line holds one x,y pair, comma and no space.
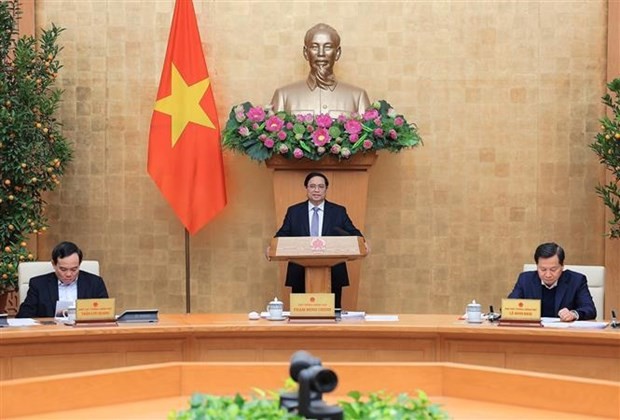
260,133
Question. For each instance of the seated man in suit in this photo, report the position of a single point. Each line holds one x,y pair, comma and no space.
65,283
563,293
317,217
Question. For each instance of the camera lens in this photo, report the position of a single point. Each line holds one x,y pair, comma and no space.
325,380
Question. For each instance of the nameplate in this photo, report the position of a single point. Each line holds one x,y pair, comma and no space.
4,320
95,310
312,305
521,310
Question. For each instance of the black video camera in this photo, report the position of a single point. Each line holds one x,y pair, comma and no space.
313,380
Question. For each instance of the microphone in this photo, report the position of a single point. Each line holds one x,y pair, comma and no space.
492,317
614,321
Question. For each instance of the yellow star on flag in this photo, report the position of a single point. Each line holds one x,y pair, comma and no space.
183,104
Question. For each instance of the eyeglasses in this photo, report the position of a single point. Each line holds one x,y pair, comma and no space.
316,187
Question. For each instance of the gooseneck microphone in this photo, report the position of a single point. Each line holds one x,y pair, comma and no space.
493,316
614,321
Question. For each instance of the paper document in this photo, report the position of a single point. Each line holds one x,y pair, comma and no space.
22,322
576,324
373,318
352,315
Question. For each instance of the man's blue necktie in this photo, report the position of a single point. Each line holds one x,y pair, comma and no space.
314,224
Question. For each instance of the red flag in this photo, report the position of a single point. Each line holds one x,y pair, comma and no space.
185,158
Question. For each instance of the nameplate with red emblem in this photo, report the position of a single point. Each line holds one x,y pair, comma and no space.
312,305
520,311
95,310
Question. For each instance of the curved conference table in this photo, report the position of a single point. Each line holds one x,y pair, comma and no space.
54,349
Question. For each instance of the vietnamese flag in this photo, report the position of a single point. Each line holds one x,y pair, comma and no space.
185,158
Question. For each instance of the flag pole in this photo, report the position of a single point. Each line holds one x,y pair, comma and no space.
184,99
188,294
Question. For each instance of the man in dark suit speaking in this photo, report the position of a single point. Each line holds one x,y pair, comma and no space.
65,283
563,293
317,217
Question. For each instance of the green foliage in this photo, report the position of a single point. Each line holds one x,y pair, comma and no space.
260,133
376,406
33,152
383,406
211,407
607,148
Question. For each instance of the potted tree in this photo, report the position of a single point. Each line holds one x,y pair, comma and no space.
607,148
33,151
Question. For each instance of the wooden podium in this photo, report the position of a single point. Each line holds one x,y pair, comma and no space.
317,255
348,186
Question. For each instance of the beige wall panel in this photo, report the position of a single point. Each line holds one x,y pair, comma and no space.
506,96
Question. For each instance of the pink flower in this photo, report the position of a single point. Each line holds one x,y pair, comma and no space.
309,129
240,117
320,137
274,123
335,149
289,125
262,137
353,138
299,118
244,131
393,134
283,148
268,143
378,132
345,152
324,120
398,121
308,118
377,122
239,113
255,126
281,135
298,153
342,118
256,114
352,127
371,114
367,144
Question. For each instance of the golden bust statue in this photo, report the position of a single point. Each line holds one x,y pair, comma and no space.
321,93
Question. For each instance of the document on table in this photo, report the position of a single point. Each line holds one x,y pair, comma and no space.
380,318
22,322
576,324
352,315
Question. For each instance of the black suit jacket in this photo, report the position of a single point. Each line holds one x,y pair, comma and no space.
336,222
42,294
572,293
